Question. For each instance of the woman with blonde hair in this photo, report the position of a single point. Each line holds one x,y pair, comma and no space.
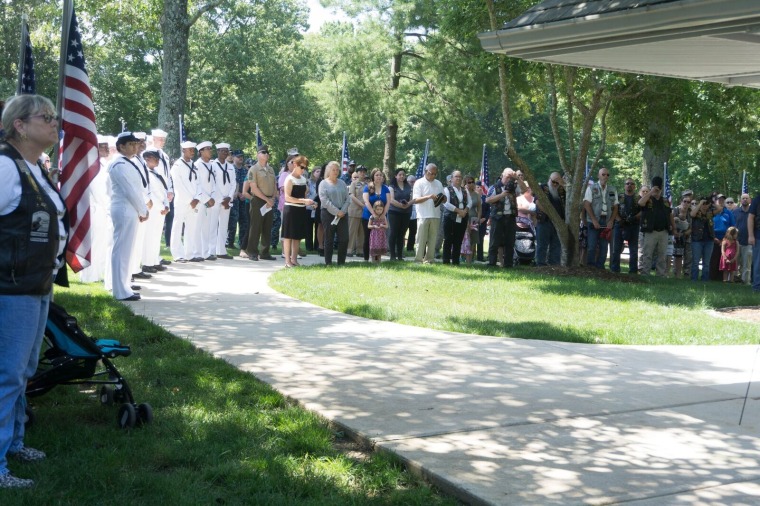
295,218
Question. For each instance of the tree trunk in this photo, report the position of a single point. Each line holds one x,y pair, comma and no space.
657,145
176,67
391,127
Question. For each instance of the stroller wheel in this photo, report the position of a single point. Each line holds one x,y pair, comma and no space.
127,416
144,413
106,396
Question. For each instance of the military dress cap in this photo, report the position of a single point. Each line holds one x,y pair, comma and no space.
237,152
141,135
351,162
293,151
149,153
102,139
158,133
126,137
187,145
720,196
222,145
361,168
203,145
263,147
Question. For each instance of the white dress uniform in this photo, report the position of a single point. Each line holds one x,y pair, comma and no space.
186,188
225,184
142,227
164,168
151,254
101,227
127,205
208,216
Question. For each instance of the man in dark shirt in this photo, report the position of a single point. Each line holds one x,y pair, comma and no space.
741,216
626,228
656,223
753,231
239,215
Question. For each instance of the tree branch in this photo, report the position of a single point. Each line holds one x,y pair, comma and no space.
202,10
553,118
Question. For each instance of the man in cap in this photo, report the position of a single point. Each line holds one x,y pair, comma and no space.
722,221
128,209
741,216
137,252
502,197
186,200
260,187
225,187
239,214
349,172
209,210
151,253
164,167
657,223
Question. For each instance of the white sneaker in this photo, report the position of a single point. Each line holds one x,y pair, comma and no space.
26,454
9,481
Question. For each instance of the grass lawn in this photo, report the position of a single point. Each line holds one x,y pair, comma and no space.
219,436
524,303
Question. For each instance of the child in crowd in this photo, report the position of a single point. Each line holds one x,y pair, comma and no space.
378,242
728,253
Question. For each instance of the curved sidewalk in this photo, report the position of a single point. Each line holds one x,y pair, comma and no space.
489,420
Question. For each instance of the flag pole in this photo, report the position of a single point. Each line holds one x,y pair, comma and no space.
21,48
65,24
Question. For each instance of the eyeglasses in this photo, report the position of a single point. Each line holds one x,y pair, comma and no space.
729,202
470,182
554,181
686,201
47,118
263,152
629,184
604,174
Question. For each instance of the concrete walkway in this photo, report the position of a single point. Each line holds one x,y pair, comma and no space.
490,420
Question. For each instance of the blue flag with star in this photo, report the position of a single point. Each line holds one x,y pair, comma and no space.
27,82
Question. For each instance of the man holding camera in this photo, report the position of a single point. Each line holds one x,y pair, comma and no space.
626,228
656,223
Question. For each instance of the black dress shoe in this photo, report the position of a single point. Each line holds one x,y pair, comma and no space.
142,275
212,258
268,257
132,297
149,269
166,262
254,258
225,257
197,259
135,287
159,267
180,261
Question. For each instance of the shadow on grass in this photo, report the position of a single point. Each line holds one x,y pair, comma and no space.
521,330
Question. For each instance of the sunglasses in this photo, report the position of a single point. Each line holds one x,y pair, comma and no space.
47,118
264,152
629,184
554,181
304,167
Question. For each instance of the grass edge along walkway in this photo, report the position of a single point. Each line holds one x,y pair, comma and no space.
219,435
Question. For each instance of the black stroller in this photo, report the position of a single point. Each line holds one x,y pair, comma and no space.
525,242
70,357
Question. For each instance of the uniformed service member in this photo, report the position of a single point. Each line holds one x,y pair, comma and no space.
225,187
186,203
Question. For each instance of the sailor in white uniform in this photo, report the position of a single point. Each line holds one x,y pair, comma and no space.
137,251
151,254
101,228
186,204
209,208
128,209
225,185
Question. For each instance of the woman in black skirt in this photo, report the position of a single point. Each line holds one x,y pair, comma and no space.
295,216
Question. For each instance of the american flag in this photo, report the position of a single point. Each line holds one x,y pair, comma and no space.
484,180
27,84
423,161
588,172
745,186
259,142
344,154
79,157
668,191
182,131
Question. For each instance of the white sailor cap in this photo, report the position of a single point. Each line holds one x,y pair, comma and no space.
203,145
222,145
140,135
125,137
111,141
102,139
187,145
158,133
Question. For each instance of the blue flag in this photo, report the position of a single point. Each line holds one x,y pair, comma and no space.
745,186
27,84
423,161
182,131
344,157
259,142
668,192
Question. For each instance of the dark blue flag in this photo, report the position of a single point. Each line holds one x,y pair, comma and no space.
27,84
423,161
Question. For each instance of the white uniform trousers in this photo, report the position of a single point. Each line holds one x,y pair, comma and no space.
212,229
137,249
151,254
184,217
125,225
221,233
198,244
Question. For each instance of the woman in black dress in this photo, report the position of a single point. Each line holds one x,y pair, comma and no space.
295,217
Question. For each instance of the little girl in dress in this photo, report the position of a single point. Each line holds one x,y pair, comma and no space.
378,242
728,253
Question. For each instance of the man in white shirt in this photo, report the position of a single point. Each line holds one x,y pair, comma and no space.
151,253
601,205
428,214
225,187
209,209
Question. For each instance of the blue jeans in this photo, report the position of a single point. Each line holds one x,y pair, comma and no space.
23,325
548,246
701,250
621,233
756,264
594,237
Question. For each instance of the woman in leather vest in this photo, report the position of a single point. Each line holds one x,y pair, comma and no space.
32,240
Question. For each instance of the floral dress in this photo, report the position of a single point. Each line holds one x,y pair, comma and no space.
378,242
728,262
